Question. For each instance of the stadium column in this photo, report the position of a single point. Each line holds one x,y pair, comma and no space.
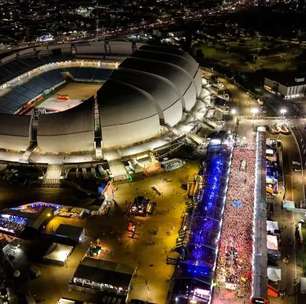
98,132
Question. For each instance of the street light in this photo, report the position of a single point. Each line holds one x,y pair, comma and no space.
233,111
254,111
283,111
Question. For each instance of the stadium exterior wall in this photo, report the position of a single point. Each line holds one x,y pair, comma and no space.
198,82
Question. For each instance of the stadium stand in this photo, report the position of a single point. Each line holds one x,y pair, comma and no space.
19,95
13,100
88,73
15,68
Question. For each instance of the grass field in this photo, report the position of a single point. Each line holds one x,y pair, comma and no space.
251,55
76,92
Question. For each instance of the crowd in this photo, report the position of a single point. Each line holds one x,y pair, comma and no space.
36,207
234,260
11,223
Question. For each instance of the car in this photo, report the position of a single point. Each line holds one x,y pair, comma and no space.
95,250
4,294
284,129
131,227
34,272
273,130
65,301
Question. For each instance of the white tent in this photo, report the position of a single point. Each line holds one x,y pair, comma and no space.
58,254
289,205
274,274
303,285
272,242
272,226
117,168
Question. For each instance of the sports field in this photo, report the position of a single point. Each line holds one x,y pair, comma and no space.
75,93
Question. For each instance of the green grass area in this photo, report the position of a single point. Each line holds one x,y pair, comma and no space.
214,53
249,60
250,44
246,56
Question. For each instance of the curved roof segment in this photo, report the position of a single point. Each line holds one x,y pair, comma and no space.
150,88
154,80
178,76
117,109
14,125
162,92
14,132
69,131
183,61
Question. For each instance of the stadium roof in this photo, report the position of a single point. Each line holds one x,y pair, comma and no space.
170,55
153,81
79,120
123,103
14,125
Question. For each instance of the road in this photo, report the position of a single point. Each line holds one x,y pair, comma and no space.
293,181
290,189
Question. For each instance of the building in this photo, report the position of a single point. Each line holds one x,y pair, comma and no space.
69,234
288,87
102,276
58,253
139,101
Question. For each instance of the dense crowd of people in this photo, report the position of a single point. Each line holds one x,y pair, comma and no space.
11,223
234,261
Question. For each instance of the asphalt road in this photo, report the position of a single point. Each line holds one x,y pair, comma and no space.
286,219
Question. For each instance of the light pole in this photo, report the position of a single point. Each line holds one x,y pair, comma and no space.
283,112
234,113
254,112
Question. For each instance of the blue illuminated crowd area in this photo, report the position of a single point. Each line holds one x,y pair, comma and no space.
195,270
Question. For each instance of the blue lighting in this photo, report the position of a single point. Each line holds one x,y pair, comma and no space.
202,246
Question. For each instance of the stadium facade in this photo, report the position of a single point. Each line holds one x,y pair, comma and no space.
146,93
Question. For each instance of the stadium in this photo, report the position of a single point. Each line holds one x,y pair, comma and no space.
81,103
